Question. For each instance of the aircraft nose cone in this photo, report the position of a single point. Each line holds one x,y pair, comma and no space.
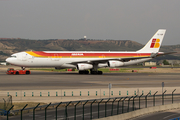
8,60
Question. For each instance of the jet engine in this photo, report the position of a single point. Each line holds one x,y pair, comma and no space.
115,63
84,66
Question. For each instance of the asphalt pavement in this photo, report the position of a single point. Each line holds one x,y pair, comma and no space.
39,80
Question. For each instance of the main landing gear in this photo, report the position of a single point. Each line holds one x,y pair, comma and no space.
97,72
92,72
83,72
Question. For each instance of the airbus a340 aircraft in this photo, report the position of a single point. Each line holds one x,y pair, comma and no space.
88,60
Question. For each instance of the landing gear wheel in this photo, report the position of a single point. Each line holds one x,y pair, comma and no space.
92,72
86,72
100,72
83,72
97,72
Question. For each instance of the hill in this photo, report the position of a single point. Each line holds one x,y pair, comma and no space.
10,46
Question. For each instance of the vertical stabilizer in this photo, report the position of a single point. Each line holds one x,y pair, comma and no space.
154,43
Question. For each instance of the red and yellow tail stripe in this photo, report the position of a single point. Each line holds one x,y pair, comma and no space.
155,43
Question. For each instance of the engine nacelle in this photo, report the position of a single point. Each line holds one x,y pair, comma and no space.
83,66
115,63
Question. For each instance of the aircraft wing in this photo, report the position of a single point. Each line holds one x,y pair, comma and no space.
104,60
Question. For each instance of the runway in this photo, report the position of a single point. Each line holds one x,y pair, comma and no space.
57,80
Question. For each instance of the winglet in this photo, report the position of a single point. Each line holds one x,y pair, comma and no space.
154,43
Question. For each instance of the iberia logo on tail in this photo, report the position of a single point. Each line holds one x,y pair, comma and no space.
155,43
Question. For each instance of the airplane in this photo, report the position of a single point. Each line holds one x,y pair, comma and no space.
84,61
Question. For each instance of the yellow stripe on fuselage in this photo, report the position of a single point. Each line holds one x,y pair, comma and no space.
33,54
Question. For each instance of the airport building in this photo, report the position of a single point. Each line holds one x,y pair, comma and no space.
150,63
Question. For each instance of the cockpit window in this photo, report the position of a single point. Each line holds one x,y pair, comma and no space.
13,56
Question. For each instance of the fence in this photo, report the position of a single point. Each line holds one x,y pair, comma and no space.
92,109
5,102
104,92
76,93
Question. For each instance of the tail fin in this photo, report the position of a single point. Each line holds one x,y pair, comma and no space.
154,43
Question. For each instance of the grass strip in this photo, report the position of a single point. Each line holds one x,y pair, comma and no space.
105,70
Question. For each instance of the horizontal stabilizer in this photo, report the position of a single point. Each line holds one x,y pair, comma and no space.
162,53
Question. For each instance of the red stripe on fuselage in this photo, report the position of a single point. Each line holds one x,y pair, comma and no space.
90,54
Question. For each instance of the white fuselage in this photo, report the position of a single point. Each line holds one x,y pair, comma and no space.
23,59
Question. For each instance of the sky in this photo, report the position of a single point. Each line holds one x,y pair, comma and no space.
136,20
